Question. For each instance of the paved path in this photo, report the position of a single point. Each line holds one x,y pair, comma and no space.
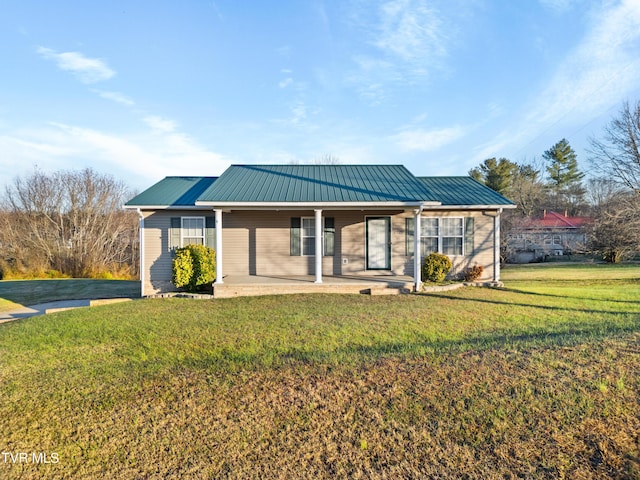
41,309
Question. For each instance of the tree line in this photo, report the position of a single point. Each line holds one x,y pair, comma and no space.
68,223
71,223
610,196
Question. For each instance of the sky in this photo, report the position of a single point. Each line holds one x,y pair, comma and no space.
141,90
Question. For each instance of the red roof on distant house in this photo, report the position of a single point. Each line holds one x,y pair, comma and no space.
558,220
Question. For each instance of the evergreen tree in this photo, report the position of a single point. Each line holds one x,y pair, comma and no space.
565,178
496,174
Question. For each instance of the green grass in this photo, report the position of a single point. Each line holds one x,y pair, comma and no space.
540,379
15,293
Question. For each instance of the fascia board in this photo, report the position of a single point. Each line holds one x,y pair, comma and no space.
471,207
312,205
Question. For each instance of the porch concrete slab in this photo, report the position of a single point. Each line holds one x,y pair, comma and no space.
327,279
254,285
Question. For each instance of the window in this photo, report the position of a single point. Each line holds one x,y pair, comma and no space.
451,236
192,231
429,236
446,235
303,236
308,236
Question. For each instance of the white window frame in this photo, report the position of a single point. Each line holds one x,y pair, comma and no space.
183,230
302,236
440,236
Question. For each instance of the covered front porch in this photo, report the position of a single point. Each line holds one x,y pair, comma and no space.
254,285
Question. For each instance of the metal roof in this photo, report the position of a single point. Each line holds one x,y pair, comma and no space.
172,192
291,184
315,183
458,191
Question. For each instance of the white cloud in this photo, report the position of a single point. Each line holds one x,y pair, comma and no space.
285,83
138,159
422,140
598,74
116,97
159,124
405,41
410,30
88,70
601,70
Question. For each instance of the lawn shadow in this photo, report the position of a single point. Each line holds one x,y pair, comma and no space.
533,305
525,292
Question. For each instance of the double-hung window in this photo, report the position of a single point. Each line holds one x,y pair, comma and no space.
429,236
308,236
193,231
303,236
185,231
447,235
452,236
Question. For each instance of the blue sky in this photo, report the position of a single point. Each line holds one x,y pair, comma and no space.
143,89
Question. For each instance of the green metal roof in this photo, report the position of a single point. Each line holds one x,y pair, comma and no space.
316,183
172,192
456,191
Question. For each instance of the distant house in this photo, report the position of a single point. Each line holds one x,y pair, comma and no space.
319,220
552,234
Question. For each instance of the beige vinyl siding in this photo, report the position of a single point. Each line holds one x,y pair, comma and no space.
157,258
258,243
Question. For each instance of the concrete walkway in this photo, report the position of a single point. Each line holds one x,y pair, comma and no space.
52,307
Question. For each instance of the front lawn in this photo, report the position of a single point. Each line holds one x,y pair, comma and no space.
540,379
15,293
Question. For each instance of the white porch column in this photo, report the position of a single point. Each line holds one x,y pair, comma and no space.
496,246
417,258
318,246
143,277
218,246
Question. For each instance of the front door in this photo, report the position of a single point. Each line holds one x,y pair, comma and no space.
378,243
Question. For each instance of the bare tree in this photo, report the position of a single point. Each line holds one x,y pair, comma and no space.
617,155
327,159
615,232
71,220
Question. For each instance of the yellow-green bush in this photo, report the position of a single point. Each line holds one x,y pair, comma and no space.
194,267
436,267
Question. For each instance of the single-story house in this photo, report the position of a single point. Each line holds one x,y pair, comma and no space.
551,234
319,220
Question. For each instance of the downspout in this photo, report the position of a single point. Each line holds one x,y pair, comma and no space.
141,253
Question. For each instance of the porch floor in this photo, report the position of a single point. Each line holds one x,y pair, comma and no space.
253,285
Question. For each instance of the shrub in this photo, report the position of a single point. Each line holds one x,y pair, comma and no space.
472,274
436,267
194,267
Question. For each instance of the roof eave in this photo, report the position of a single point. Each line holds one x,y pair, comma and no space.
473,207
313,205
164,207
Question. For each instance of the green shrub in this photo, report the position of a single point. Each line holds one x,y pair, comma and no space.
436,267
472,274
194,267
